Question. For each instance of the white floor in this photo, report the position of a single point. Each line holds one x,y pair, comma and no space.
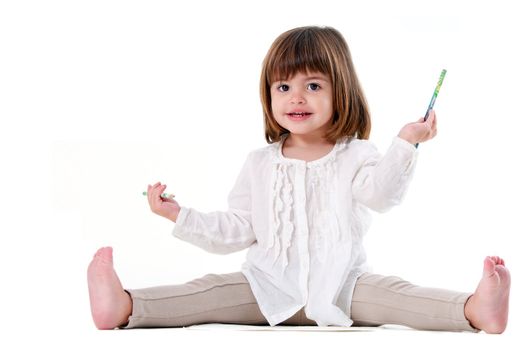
85,336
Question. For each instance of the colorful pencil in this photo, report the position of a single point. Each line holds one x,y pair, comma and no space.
434,96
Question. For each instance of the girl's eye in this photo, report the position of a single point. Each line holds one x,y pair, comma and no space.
283,88
313,86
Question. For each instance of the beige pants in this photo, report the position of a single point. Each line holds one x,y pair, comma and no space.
228,298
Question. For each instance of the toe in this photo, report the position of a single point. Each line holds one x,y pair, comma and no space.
105,254
488,267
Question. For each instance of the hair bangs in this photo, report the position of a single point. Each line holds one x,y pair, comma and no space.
303,52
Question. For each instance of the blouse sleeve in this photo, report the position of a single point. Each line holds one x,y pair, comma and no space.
221,232
381,182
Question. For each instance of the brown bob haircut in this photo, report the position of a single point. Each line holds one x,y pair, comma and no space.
316,49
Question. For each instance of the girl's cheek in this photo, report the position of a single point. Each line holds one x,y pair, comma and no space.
274,108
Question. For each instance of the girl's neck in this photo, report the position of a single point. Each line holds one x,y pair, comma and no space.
306,141
305,149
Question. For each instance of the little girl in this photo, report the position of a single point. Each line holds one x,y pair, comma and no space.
301,206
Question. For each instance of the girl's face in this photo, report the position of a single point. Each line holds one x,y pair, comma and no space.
303,104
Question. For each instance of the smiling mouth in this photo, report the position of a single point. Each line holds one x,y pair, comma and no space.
301,114
298,116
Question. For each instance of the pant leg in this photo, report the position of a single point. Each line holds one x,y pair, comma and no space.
214,298
379,300
225,298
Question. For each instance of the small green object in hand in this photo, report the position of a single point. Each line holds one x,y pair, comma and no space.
164,195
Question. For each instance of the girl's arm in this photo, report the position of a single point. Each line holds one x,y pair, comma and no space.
221,232
382,182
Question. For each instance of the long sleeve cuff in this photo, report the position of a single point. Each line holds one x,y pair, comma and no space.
405,144
179,224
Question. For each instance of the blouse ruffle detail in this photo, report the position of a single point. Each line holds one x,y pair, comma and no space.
282,221
322,173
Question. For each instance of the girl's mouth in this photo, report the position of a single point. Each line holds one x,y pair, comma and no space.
298,115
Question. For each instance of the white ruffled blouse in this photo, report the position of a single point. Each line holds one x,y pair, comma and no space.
303,223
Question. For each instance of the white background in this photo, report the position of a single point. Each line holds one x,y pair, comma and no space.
100,98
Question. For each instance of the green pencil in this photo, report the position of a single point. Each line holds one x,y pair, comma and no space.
434,96
164,195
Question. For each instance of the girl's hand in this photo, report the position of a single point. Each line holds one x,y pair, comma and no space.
166,207
420,131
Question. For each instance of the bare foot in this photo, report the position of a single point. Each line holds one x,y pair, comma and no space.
488,308
110,304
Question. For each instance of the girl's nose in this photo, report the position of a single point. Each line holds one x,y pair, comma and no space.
297,98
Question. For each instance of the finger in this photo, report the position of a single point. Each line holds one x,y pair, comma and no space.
156,199
162,191
168,199
427,115
430,122
434,126
163,196
168,196
151,188
154,196
158,191
431,117
150,198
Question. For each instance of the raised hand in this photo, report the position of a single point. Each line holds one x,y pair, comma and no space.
421,130
163,206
